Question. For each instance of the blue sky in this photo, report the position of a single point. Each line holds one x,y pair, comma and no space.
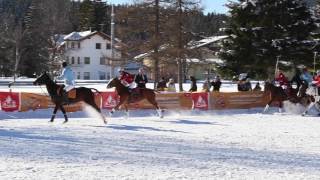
208,5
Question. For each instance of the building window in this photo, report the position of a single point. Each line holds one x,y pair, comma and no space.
86,60
79,45
86,75
78,75
102,61
67,59
72,45
98,45
108,46
72,60
79,62
102,75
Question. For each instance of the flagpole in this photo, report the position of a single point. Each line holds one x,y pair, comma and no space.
314,62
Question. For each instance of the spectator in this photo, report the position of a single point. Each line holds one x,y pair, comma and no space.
193,87
141,79
216,83
162,84
206,86
257,87
171,85
248,85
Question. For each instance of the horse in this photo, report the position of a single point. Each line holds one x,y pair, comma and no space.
55,91
279,94
311,94
127,97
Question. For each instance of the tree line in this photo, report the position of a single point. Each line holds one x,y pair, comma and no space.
29,29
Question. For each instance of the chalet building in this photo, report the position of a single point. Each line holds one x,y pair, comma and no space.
90,54
200,64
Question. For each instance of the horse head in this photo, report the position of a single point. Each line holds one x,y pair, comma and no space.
42,79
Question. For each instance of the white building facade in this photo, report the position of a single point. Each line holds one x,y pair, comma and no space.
89,54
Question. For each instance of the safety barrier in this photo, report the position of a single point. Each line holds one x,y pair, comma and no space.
20,101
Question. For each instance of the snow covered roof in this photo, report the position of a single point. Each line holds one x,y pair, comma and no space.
206,41
209,60
76,36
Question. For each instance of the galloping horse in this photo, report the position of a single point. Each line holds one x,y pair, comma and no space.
311,94
82,94
277,94
126,97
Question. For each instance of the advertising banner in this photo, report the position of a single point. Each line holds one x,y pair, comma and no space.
109,99
9,101
200,100
238,100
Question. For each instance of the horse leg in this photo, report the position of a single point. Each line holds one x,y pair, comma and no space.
308,108
127,111
267,106
64,114
155,104
280,106
54,113
122,100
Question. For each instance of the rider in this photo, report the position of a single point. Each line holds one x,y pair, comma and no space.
282,79
68,76
126,79
316,81
306,76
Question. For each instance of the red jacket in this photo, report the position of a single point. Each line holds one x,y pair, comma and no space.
127,78
282,79
316,80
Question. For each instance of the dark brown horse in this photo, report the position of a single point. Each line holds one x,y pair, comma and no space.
55,91
127,97
278,94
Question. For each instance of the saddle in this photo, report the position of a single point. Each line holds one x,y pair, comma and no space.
70,94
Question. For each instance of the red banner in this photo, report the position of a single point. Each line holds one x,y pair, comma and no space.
109,100
200,100
9,101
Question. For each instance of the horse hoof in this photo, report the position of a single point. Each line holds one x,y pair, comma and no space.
51,121
65,122
303,114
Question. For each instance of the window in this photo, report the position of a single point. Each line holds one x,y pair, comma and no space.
102,61
98,45
79,62
86,60
108,46
78,75
102,75
67,59
86,75
72,45
72,60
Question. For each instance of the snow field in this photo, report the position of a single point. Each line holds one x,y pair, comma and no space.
233,144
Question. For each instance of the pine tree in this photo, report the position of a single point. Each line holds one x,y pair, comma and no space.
262,30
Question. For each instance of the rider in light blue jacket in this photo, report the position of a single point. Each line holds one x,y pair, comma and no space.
68,76
306,76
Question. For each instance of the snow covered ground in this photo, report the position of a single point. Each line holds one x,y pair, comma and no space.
230,144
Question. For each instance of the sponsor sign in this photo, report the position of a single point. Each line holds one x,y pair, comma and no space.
9,101
200,100
109,99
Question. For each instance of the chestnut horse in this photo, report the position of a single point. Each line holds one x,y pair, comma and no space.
279,95
127,97
55,91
